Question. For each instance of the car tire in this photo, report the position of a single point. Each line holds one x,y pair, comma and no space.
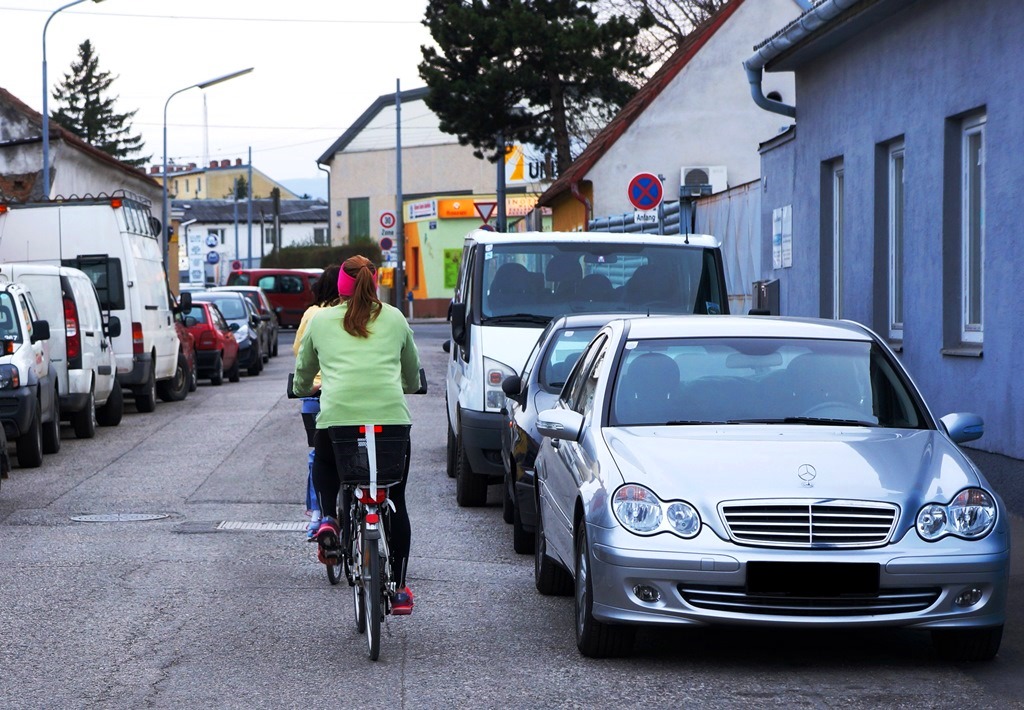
51,429
110,413
193,380
507,504
257,365
84,422
594,639
145,396
234,374
176,388
273,352
30,444
470,488
522,539
968,645
452,453
217,372
548,576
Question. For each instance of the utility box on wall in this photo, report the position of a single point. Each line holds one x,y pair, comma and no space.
766,297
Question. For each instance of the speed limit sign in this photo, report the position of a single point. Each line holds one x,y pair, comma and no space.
387,221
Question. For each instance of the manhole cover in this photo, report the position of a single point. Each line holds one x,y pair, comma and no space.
118,517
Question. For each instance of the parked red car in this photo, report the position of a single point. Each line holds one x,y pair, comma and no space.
216,347
290,290
184,380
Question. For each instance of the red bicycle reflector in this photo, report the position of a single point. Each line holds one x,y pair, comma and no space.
372,518
377,429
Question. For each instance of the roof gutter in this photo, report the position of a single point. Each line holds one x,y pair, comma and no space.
814,17
587,209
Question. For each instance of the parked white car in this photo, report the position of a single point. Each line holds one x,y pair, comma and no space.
29,405
82,355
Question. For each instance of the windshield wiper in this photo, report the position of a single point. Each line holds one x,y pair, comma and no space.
693,422
516,318
818,421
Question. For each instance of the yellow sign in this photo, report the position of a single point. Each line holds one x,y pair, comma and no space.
386,276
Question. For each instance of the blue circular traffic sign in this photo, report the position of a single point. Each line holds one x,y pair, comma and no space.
645,191
211,240
212,257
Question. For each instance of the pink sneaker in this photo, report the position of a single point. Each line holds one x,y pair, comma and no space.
402,604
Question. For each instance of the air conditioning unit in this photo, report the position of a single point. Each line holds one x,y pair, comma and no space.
693,177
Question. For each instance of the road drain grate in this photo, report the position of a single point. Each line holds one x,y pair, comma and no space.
261,527
119,517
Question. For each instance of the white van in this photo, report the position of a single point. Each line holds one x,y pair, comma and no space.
115,241
511,285
81,353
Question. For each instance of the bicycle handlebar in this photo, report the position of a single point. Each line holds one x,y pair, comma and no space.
292,395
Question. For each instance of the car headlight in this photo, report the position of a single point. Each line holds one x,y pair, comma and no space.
970,515
640,511
242,334
494,374
10,378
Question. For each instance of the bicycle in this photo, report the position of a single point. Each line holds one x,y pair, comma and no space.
371,459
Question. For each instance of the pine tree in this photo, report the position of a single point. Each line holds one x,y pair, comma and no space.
85,108
519,70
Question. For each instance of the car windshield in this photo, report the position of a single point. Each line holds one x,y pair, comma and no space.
561,355
761,380
231,307
546,280
10,329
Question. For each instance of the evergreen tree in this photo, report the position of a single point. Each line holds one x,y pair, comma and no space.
518,70
85,108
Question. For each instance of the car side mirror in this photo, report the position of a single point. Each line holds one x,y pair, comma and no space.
254,321
560,424
234,327
40,330
184,302
447,346
113,327
511,385
963,427
459,323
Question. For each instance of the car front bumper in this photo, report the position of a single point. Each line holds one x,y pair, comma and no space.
248,353
481,437
704,582
16,410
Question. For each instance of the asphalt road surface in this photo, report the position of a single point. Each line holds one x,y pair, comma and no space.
181,613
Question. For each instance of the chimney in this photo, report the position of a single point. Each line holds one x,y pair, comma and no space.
154,169
226,163
238,161
213,163
191,166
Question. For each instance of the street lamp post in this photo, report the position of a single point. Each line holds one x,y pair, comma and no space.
46,109
165,237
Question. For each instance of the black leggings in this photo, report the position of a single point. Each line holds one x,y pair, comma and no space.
328,484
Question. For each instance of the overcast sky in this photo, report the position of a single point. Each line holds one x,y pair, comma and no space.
318,65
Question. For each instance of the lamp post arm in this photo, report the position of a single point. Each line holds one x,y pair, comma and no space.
46,107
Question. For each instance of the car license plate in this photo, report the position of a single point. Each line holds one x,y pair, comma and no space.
812,579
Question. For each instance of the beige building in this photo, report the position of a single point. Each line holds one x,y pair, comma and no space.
216,182
363,167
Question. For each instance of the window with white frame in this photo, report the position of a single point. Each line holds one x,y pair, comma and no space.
837,239
218,233
270,235
896,204
319,235
972,229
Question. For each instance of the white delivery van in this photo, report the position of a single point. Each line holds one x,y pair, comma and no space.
511,285
82,356
29,407
115,241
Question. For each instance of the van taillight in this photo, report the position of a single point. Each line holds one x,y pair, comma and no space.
74,337
137,343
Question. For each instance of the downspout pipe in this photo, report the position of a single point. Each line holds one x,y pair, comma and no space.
587,208
813,18
319,165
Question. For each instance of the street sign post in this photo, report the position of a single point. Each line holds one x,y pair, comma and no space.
645,192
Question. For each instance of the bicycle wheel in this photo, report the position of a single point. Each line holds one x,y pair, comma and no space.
334,572
370,582
356,580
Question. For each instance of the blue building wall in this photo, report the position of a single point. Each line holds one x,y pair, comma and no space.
909,76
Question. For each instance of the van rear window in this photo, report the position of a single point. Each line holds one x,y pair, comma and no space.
106,275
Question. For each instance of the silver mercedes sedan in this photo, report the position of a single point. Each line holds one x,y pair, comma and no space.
763,471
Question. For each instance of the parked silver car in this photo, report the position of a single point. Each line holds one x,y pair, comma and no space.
763,471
